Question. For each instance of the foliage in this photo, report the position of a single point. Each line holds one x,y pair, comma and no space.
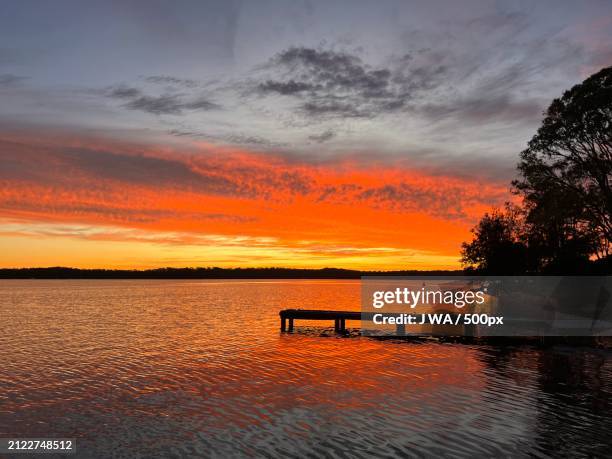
497,246
565,182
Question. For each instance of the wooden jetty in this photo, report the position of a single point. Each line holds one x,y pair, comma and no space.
339,318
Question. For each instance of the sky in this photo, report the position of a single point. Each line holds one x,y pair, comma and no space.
356,134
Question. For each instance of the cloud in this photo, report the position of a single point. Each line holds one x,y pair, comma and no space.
164,104
168,104
508,78
288,88
322,137
442,74
226,191
124,92
23,227
450,201
330,107
239,175
331,83
137,169
235,138
245,139
485,107
114,213
10,80
170,80
101,166
200,103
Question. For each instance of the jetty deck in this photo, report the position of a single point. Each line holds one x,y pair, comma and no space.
339,318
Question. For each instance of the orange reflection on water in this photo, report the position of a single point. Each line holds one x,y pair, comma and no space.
189,367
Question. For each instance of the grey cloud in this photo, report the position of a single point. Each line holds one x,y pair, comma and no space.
145,170
157,105
285,88
116,213
323,107
409,198
249,140
236,138
447,202
488,23
332,70
460,78
495,79
95,172
200,104
123,92
170,80
65,165
9,80
486,107
331,83
18,162
165,104
323,137
295,182
183,133
334,83
330,192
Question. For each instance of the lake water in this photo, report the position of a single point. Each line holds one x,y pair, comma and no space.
199,368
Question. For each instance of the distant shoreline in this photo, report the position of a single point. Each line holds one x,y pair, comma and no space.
208,273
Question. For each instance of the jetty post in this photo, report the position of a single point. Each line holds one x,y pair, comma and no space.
339,317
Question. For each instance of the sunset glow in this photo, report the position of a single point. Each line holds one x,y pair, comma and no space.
98,204
208,138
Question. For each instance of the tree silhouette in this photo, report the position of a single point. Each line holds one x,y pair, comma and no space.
566,171
565,181
497,246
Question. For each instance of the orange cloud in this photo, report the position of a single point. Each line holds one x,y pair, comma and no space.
344,212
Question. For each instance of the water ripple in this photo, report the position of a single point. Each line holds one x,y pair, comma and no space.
177,368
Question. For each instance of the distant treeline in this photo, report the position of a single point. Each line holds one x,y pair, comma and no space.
206,273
